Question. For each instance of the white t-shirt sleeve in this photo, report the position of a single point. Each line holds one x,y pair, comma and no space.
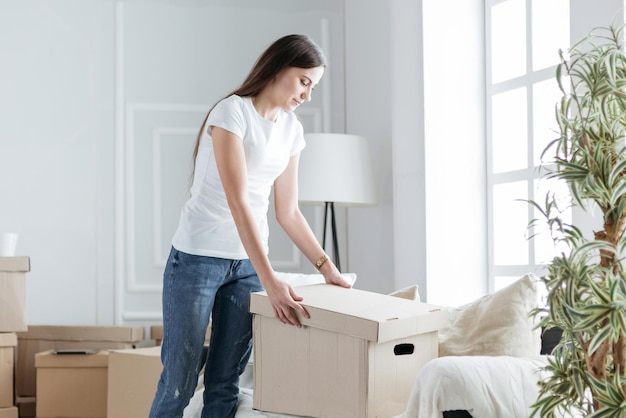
299,143
228,114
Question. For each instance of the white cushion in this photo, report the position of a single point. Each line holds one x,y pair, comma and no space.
486,386
304,279
495,325
300,279
409,292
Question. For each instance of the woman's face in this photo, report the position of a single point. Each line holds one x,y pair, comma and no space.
293,86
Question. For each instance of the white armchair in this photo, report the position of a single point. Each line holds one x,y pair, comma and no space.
489,362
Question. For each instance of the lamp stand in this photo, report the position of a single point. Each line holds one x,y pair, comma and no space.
330,207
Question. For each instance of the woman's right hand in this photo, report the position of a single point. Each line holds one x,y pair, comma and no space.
285,302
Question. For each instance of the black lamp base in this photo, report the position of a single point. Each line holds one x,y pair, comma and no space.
330,207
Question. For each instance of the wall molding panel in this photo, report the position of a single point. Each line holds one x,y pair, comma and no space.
135,284
159,136
153,143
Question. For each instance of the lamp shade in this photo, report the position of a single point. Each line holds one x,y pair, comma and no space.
336,168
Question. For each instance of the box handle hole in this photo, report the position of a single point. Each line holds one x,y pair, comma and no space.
403,349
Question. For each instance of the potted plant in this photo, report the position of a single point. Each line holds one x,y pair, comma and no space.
586,284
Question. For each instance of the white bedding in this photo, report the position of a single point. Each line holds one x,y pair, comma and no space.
485,386
194,409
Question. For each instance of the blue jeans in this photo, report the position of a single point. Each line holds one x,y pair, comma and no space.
194,289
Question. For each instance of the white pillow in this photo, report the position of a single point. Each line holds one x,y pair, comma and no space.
304,279
409,292
495,325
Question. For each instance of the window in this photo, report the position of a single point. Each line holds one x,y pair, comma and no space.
523,38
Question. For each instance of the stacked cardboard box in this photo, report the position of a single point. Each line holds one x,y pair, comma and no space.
13,293
156,333
10,412
356,356
12,318
46,338
8,341
72,384
133,378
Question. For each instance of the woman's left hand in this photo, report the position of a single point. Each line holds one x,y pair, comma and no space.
333,276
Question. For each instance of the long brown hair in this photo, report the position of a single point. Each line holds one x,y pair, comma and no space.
289,51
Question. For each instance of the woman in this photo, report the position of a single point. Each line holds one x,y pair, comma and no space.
249,141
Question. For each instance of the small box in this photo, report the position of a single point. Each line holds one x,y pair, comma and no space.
13,293
133,378
41,338
156,333
8,341
356,356
72,385
10,412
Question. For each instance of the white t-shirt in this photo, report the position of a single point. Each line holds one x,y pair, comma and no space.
206,226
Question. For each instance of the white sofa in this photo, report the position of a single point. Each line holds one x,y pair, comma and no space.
490,359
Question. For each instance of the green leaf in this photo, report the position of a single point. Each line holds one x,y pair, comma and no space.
619,170
597,340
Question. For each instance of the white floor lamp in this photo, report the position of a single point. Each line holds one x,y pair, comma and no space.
336,169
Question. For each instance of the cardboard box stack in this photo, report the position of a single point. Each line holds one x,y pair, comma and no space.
133,378
356,356
156,333
49,338
13,293
8,412
72,384
12,318
8,341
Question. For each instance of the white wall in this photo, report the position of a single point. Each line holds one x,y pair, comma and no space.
76,176
415,87
99,107
408,142
56,148
368,113
454,113
171,65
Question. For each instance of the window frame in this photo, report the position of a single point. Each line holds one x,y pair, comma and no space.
532,172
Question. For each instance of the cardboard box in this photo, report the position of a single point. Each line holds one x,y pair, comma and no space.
356,356
13,293
26,406
10,412
72,385
156,333
133,378
40,338
8,341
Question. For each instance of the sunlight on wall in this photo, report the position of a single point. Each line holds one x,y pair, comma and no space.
455,150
